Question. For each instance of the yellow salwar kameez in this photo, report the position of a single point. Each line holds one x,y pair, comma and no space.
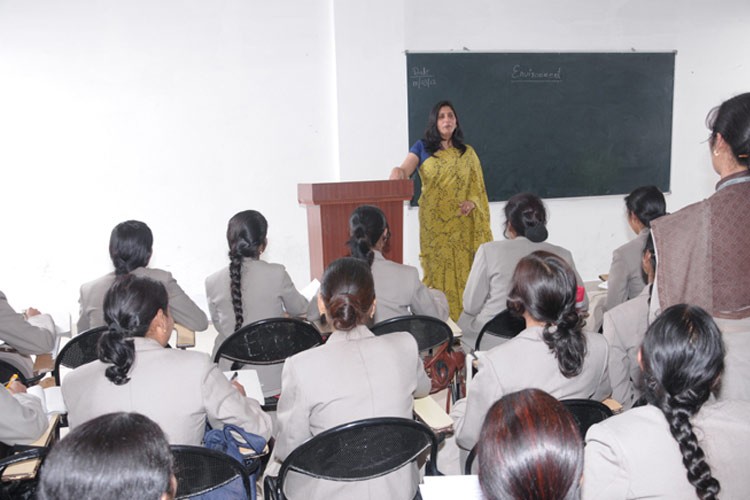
448,240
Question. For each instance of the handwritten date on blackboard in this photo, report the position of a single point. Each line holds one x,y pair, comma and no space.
422,78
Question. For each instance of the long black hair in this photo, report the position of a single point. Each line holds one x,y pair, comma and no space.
130,246
130,304
545,286
682,358
367,225
432,135
246,235
646,203
525,213
732,121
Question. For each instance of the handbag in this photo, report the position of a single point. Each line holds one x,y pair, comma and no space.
442,366
229,440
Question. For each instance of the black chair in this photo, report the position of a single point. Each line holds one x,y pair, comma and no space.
586,412
505,325
358,451
80,350
200,470
7,370
23,487
470,461
429,332
268,342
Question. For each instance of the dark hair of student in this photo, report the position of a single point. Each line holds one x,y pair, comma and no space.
646,203
117,455
130,304
648,249
348,291
246,235
526,214
682,358
530,447
432,135
366,226
130,246
545,286
732,121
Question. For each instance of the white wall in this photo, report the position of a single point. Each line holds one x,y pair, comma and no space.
181,113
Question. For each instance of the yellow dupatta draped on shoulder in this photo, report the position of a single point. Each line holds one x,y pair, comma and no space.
448,240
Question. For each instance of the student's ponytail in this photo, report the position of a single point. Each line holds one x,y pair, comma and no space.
367,225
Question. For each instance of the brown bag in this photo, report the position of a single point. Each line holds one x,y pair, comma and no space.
443,366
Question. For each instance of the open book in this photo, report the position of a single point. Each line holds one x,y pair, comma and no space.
251,383
51,397
428,411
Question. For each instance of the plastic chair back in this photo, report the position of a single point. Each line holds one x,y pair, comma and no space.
504,325
200,471
586,412
429,332
80,350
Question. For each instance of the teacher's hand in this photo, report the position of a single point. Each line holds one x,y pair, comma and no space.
466,207
397,174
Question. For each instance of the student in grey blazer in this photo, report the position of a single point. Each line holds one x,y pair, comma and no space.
249,289
682,444
551,354
487,288
354,376
23,420
22,338
179,390
130,246
625,281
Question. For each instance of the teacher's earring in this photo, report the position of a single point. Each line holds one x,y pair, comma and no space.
716,152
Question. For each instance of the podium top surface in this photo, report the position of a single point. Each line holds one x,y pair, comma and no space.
354,192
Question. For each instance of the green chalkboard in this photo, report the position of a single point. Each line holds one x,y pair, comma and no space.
558,124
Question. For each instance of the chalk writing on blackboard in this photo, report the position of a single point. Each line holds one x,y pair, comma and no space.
527,74
422,78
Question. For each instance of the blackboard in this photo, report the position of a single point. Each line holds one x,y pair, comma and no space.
555,124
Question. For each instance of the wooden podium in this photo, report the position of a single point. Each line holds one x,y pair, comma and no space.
329,206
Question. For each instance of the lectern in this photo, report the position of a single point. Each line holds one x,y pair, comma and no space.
329,206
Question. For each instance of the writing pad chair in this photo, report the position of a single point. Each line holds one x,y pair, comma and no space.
358,451
80,350
586,412
268,342
432,336
504,325
21,485
200,470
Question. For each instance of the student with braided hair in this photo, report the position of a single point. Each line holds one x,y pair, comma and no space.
249,289
683,443
552,353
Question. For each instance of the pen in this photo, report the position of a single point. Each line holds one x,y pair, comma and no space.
15,377
231,379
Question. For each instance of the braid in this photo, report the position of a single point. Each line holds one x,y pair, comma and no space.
698,471
117,349
235,275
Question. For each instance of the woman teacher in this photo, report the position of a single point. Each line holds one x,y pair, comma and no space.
454,214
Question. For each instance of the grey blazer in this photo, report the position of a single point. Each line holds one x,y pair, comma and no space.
267,292
624,328
735,381
25,338
179,390
526,362
633,455
488,285
23,419
355,375
625,278
183,309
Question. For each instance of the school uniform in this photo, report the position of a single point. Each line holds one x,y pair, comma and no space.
735,381
526,362
487,288
22,419
624,329
625,276
354,376
21,338
634,455
184,311
179,390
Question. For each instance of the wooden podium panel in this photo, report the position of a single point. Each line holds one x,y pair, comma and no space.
329,206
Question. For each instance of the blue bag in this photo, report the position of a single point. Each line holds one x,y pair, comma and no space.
229,440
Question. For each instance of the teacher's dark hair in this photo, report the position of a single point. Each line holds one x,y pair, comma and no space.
525,213
130,246
246,235
682,359
117,455
545,286
646,203
432,136
348,292
367,225
130,304
732,121
530,447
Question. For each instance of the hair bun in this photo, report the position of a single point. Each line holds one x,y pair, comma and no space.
536,233
343,311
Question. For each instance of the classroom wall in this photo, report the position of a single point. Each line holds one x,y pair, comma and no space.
180,113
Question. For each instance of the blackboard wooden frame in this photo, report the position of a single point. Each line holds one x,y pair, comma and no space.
556,124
